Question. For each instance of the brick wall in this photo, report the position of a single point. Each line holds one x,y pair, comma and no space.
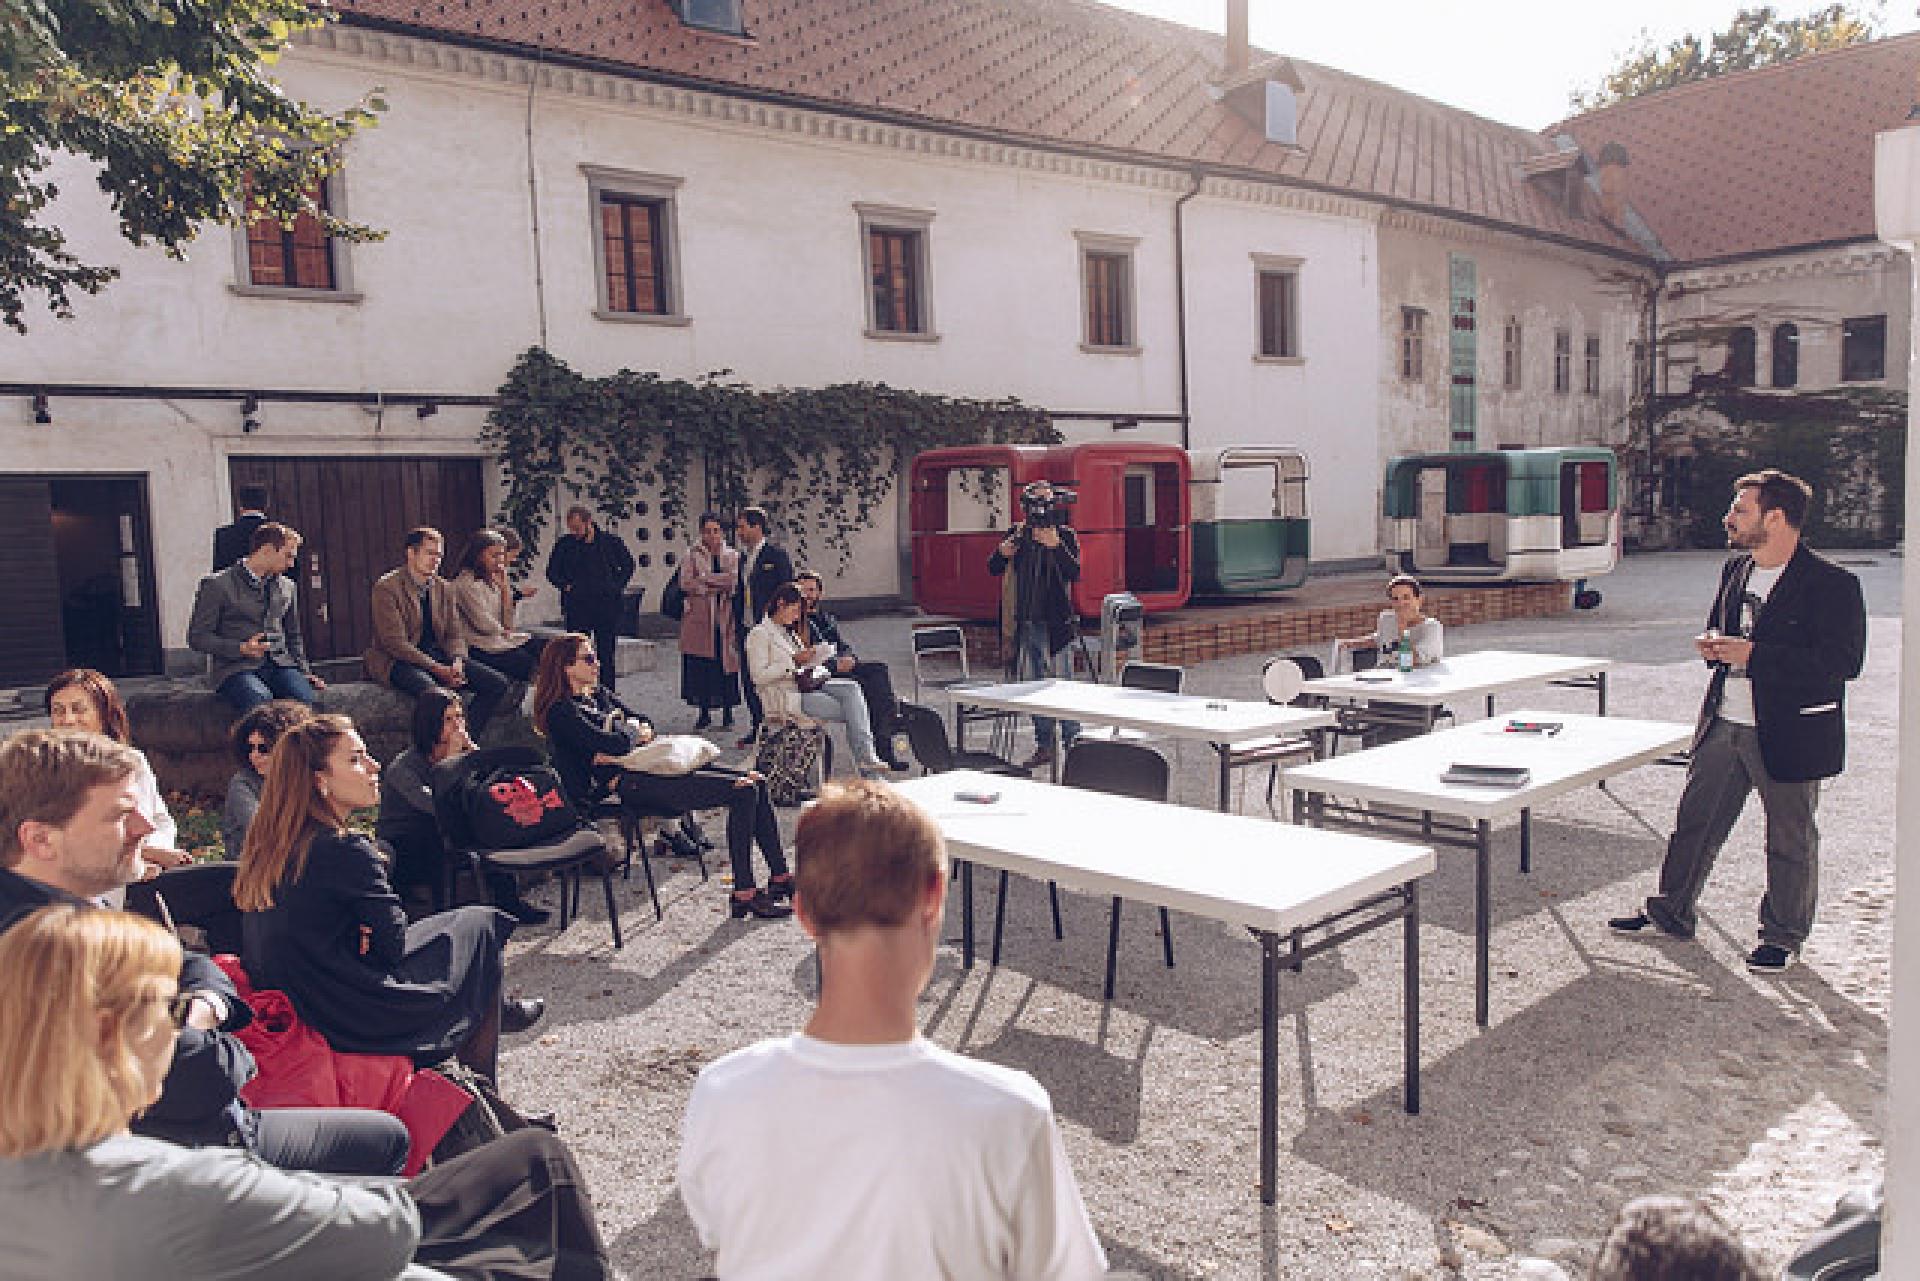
1189,636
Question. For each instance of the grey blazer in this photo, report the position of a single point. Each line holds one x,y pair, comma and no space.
228,609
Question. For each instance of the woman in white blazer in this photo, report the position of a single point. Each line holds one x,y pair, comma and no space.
776,653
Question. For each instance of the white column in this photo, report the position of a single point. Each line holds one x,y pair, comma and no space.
1897,215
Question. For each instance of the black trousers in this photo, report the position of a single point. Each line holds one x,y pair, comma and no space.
514,1210
516,663
598,617
331,1140
488,687
877,684
750,815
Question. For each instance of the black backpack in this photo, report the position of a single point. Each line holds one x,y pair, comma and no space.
673,599
502,798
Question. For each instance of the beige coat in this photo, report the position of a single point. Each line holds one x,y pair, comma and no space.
711,592
396,623
770,665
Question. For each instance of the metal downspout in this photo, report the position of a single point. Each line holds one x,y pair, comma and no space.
1180,301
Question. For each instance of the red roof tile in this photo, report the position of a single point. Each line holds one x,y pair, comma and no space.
1760,161
1061,72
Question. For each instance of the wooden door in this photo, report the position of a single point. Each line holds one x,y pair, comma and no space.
353,515
33,644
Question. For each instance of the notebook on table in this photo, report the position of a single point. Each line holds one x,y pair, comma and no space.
1487,775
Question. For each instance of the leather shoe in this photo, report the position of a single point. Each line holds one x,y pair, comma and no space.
519,1015
547,1121
780,888
761,905
679,844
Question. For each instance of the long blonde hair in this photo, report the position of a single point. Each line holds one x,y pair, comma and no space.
292,812
74,973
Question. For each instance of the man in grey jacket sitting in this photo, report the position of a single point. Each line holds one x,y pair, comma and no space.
247,621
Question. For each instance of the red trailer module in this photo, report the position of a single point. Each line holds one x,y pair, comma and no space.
1131,512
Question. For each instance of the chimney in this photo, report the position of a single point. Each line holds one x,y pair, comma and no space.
1613,184
1239,54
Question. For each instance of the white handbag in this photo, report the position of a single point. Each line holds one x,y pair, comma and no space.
671,755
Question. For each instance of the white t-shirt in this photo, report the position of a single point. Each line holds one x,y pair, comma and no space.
1736,695
802,1158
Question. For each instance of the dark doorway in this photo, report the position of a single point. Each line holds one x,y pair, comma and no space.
353,514
76,571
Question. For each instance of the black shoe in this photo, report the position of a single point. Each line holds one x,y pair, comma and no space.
679,844
518,1016
761,904
524,912
1770,958
541,1121
691,827
705,720
780,888
1641,925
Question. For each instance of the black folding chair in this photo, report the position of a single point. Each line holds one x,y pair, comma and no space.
1121,769
927,736
581,850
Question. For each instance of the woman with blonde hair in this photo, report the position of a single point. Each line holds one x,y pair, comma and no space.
87,1023
324,925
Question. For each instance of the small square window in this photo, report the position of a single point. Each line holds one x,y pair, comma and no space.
1592,384
1863,349
1413,344
301,258
1106,294
1277,296
1512,355
1562,361
635,254
894,252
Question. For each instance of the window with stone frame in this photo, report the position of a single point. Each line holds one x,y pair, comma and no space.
1562,361
1277,296
296,256
1742,356
1512,356
895,256
1592,370
1863,349
1413,344
1786,355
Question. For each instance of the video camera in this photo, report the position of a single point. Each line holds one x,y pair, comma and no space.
1045,510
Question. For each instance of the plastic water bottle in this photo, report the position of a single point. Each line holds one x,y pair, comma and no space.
902,750
1406,655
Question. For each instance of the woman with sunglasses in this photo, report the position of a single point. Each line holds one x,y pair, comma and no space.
87,1027
252,740
590,729
81,698
324,926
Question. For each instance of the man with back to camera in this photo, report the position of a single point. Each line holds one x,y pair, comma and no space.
1045,555
231,542
1787,631
765,567
858,1149
417,637
591,567
70,831
246,620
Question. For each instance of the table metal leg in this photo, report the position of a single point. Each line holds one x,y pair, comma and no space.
1053,901
1482,915
1269,1062
966,914
1166,936
1113,944
1225,753
999,916
1410,998
1526,840
1600,686
1489,704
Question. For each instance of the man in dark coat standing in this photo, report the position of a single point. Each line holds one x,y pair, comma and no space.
231,542
1787,631
591,567
1044,554
764,568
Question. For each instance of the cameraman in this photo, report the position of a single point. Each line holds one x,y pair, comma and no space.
1045,555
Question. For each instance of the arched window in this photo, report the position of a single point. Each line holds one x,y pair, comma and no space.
1786,355
1740,356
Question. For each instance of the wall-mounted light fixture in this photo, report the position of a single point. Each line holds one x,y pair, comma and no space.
426,409
42,411
249,413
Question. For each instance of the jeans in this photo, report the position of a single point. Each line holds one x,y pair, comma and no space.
331,1140
269,681
517,663
841,700
487,686
1726,768
1033,660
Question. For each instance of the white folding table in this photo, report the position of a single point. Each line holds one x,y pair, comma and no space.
1587,749
1426,690
1221,723
1276,880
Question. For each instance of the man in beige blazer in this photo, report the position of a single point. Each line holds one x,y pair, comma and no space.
417,639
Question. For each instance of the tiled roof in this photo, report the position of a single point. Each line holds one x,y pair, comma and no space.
1061,72
1760,161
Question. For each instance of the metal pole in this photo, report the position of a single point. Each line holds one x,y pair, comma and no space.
1482,915
1269,1061
1410,998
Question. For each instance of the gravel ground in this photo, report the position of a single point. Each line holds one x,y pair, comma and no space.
1612,1068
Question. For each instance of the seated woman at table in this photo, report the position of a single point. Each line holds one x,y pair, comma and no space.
1404,619
324,926
87,1026
591,729
777,650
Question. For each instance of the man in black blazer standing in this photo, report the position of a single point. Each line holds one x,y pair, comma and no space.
1787,631
764,567
231,542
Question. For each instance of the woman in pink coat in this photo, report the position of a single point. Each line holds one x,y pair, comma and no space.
709,642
